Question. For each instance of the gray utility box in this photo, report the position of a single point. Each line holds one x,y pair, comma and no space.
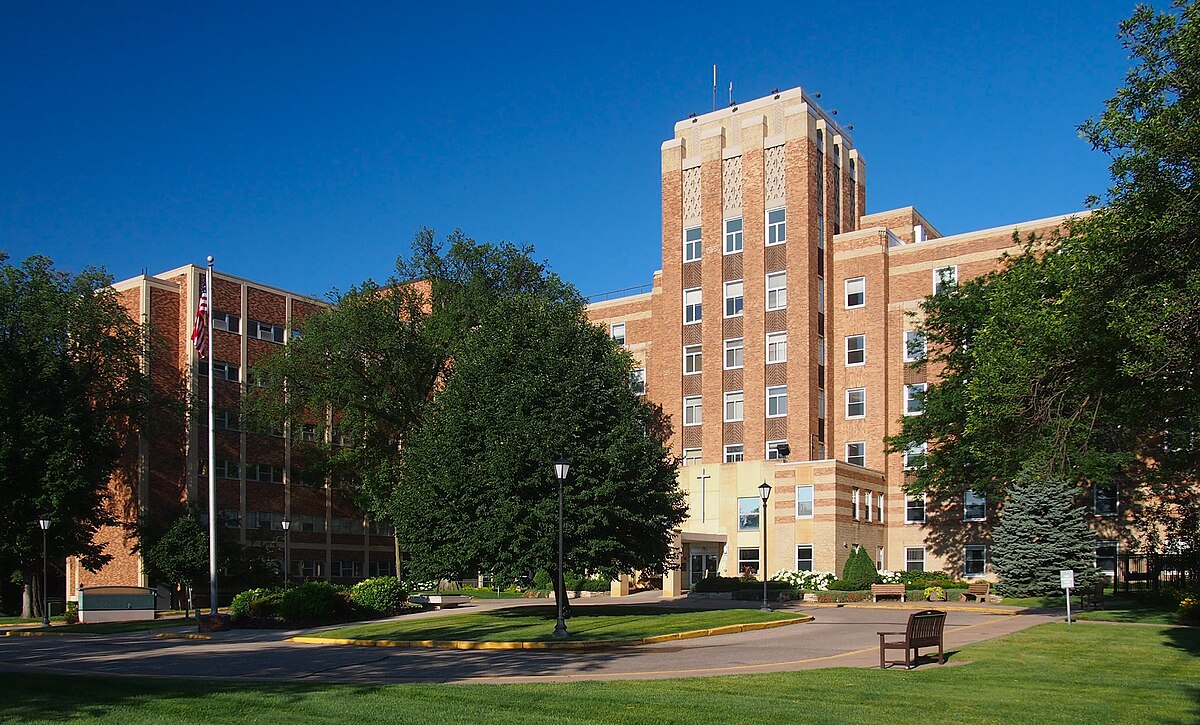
115,604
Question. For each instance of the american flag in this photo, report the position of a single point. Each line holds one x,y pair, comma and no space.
200,331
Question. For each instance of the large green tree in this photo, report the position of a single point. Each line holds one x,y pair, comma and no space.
72,392
373,360
532,382
1079,356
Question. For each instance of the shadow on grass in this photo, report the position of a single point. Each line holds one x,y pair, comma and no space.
1186,639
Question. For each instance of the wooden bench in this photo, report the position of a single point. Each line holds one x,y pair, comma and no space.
924,630
887,590
979,592
1093,598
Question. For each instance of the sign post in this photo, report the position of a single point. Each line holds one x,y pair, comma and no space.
1067,581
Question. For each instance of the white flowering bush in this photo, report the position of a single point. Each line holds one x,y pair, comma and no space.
815,581
891,577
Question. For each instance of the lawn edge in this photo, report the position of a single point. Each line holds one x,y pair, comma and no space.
593,644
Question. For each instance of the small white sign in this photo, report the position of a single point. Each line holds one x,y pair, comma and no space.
1068,578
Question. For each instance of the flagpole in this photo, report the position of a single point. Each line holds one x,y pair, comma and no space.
212,458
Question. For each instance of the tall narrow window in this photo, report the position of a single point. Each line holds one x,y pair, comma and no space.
945,279
974,506
856,350
914,509
749,509
914,399
637,381
691,306
914,346
975,560
617,332
733,235
914,558
733,298
692,359
804,502
869,504
776,290
776,226
734,402
692,410
691,244
821,404
776,347
856,403
856,292
821,295
856,453
735,349
856,511
881,507
1105,501
777,401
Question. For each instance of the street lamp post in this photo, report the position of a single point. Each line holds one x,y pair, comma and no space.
764,492
45,525
287,570
561,469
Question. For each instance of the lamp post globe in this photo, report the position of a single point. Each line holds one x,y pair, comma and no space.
44,525
764,492
561,469
287,525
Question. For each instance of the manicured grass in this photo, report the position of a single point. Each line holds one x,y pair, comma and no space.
1048,674
484,593
531,624
120,627
24,620
1142,614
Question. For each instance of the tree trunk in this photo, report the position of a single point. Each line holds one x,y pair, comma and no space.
27,598
396,548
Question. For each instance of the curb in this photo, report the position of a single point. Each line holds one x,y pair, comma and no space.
43,634
181,635
595,644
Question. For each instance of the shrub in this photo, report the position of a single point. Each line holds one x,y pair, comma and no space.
859,571
717,584
71,613
842,596
542,580
239,608
1189,610
816,581
313,602
266,607
922,579
382,595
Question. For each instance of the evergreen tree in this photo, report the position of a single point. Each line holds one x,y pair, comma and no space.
1041,532
859,571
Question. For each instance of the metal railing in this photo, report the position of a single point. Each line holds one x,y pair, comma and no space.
616,294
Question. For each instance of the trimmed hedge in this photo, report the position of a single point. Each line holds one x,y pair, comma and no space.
315,602
240,607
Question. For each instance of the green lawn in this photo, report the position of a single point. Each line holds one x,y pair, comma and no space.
24,620
120,627
1130,612
1048,674
530,624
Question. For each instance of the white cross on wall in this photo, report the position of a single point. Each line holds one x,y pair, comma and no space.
704,476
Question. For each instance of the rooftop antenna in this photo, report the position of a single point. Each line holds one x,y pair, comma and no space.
714,87
731,93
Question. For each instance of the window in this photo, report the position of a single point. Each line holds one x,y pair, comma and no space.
691,244
914,558
297,334
344,525
264,473
734,353
914,399
309,524
855,510
804,557
881,507
691,456
945,279
776,226
748,560
1106,557
879,557
776,290
869,504
691,410
692,359
733,235
228,469
777,401
821,295
856,453
821,404
379,528
820,351
617,332
914,346
227,322
856,403
975,560
267,331
227,420
221,371
749,509
914,457
733,298
637,381
974,506
856,292
776,347
804,502
914,509
381,568
1105,501
734,401
735,453
856,350
691,306
773,450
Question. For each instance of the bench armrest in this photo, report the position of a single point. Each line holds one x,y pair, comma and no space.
881,634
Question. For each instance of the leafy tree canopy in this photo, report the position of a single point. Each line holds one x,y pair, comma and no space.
71,394
535,381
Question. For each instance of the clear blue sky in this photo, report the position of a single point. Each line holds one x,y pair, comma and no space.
303,144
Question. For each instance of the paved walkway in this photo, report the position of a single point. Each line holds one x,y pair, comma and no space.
838,637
